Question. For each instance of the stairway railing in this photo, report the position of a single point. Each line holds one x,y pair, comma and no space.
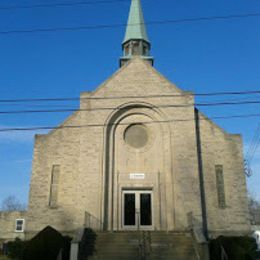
144,244
224,255
200,243
93,222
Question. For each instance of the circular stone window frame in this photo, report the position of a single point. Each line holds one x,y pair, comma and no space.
147,146
131,135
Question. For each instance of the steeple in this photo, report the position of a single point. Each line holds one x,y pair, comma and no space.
136,42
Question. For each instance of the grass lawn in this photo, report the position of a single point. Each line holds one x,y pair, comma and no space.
4,258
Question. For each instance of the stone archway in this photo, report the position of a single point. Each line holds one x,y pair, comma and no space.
150,156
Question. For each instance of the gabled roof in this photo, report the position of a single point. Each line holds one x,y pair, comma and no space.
135,78
135,26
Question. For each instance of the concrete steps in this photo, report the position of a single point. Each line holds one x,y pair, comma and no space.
155,245
171,246
119,245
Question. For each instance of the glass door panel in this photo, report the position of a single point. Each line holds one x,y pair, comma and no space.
129,209
145,209
137,210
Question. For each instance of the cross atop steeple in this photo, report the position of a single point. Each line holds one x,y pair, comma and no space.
136,41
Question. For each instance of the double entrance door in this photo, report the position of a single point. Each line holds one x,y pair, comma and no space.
137,209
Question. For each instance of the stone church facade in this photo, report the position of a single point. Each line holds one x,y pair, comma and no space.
138,155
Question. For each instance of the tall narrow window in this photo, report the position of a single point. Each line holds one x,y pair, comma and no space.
220,186
53,201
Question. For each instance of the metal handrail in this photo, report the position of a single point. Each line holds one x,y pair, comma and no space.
200,243
224,255
92,222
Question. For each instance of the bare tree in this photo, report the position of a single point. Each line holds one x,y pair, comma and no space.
11,203
254,208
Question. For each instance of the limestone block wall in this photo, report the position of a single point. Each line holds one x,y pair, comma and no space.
137,80
91,159
59,147
220,148
7,225
185,168
86,161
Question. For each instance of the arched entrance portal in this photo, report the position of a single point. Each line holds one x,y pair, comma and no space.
138,181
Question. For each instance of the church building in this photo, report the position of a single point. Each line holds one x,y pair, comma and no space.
138,155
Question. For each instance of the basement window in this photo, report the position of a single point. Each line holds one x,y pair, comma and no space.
19,225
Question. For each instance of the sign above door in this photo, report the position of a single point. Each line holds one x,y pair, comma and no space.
137,176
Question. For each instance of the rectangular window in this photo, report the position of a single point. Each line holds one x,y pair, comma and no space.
53,201
19,225
220,186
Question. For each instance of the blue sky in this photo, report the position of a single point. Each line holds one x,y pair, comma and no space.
207,56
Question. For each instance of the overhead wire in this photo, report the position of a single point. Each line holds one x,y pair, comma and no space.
256,139
187,94
255,149
107,26
254,145
111,124
32,105
64,104
63,4
253,141
252,102
251,152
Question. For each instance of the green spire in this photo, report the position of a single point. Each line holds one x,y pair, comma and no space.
135,26
136,42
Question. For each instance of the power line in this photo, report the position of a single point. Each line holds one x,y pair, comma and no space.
227,103
247,169
253,141
119,108
64,4
37,105
72,106
254,151
254,145
107,26
111,124
26,100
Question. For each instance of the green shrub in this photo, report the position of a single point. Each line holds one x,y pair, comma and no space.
87,244
66,248
237,248
46,245
16,249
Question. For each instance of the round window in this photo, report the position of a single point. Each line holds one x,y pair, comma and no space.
136,135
